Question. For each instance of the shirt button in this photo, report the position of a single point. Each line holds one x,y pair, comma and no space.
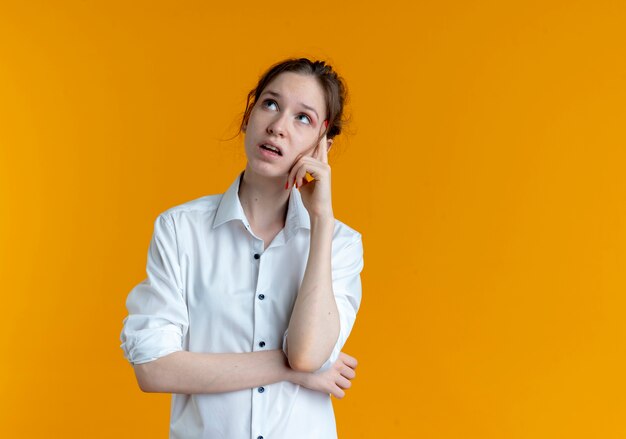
257,256
259,437
261,389
262,344
261,296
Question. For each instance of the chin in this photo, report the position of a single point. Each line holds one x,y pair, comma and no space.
265,169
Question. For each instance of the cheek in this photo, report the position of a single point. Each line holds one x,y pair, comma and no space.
304,144
252,117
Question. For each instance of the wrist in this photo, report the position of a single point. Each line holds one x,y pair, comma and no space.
323,222
299,378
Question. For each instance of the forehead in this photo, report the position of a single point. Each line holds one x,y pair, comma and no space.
298,89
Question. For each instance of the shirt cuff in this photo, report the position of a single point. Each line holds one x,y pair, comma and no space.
146,345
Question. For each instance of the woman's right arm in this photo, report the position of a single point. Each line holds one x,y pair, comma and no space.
192,372
153,332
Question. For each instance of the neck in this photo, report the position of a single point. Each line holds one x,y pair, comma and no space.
264,200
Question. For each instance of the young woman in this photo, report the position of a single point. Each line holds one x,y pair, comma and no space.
251,294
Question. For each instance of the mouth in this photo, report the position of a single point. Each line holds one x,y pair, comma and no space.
271,148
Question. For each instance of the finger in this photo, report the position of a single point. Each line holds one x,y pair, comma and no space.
316,169
324,150
295,162
343,382
347,372
317,151
301,174
305,182
349,360
294,170
337,392
311,166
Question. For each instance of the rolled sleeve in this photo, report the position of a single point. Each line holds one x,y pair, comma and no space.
347,264
157,313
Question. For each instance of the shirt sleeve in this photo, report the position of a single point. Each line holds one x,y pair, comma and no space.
347,265
157,313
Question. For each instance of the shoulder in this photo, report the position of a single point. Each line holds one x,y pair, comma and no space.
345,235
347,251
202,208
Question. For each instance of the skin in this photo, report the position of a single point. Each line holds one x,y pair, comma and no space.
281,116
314,324
189,373
283,121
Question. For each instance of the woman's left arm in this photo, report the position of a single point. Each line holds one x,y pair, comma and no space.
315,324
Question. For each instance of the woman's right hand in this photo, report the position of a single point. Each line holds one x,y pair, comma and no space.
333,379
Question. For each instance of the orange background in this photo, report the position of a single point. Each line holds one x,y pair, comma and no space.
484,166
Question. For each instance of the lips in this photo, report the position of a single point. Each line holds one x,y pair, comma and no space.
271,147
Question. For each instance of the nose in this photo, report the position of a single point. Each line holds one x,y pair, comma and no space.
277,126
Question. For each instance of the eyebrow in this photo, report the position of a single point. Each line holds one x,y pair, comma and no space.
273,93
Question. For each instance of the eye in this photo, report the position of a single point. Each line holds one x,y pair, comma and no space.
269,102
308,119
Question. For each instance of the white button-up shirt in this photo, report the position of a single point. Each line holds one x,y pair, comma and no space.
211,287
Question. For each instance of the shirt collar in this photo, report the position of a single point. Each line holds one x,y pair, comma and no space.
230,209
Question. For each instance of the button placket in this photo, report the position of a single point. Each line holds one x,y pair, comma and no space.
260,311
260,400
